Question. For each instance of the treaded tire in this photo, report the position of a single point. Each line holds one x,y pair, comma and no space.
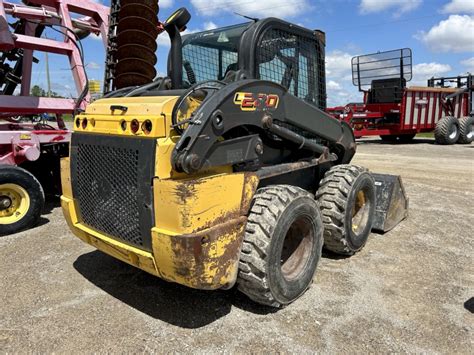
282,245
447,131
466,125
18,176
339,194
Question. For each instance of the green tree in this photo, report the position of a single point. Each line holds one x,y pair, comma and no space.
37,91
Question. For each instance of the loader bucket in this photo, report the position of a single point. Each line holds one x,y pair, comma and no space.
391,202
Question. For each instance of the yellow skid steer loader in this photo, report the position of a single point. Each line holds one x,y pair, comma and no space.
226,172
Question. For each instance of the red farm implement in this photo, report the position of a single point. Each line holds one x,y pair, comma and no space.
31,146
396,112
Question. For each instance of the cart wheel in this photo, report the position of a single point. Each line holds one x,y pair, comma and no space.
447,131
282,245
466,127
346,197
21,200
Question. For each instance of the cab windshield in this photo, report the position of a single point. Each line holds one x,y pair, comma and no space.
211,55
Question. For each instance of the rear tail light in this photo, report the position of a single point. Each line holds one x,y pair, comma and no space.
135,126
147,127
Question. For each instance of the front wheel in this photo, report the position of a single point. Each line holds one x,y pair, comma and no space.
282,245
347,199
21,200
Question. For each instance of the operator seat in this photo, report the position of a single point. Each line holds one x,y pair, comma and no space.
231,73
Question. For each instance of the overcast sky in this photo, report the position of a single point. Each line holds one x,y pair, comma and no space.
440,32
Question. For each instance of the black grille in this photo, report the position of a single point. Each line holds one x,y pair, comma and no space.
112,184
296,62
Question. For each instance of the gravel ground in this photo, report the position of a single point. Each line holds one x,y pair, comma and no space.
407,291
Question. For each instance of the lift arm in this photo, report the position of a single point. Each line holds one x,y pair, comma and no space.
261,106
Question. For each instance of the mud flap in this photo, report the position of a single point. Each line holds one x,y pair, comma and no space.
391,202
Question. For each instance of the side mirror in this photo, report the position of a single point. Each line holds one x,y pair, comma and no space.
180,18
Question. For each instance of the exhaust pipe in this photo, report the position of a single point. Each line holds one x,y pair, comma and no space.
174,26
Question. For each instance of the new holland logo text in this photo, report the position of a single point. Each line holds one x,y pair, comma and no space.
253,102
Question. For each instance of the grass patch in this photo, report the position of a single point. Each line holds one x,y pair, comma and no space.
425,135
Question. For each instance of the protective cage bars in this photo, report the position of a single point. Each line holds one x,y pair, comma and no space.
297,64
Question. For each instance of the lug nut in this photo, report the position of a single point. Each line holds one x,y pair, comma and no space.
259,149
267,121
5,203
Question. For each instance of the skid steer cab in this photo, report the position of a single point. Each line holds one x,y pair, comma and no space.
228,171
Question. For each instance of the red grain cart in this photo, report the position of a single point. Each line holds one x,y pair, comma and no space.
397,113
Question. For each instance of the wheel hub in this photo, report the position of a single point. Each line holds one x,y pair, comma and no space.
14,203
5,203
471,132
360,212
453,132
297,248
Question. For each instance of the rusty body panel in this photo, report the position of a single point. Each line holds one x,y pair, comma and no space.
204,260
199,234
192,205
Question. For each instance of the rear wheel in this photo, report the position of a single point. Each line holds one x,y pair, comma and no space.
466,128
347,200
282,246
21,200
447,131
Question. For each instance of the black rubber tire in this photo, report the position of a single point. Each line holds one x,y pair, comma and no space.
277,212
444,131
21,177
337,196
466,125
